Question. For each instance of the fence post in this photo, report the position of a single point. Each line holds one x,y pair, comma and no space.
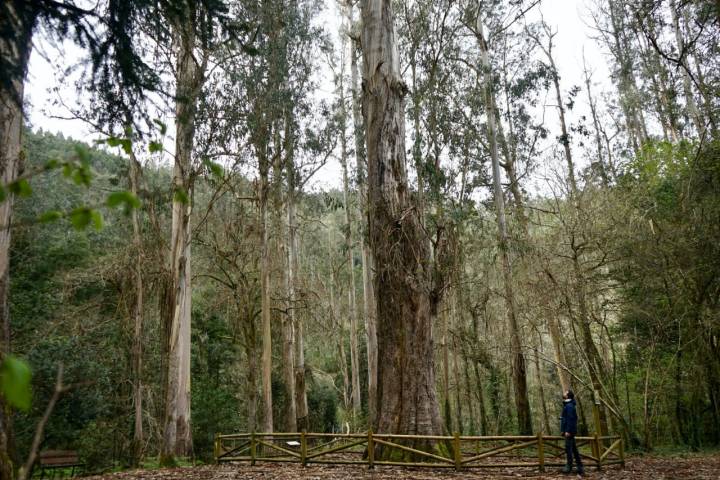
371,450
541,451
252,449
303,448
622,452
456,448
216,448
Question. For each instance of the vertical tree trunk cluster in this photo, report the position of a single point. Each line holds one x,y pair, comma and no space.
519,374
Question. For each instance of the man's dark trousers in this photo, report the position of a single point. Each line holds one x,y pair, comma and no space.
570,451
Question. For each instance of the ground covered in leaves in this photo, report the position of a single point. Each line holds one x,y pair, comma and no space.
705,467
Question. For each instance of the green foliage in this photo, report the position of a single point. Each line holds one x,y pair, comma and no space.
15,378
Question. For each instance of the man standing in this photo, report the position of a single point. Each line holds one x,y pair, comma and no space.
568,429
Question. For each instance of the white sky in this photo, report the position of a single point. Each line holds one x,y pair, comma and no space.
570,18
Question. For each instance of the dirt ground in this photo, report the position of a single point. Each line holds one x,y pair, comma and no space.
705,467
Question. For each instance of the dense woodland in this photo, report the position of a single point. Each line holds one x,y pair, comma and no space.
484,249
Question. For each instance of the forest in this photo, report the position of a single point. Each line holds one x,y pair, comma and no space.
353,215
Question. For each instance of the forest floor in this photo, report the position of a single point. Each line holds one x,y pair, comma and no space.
696,467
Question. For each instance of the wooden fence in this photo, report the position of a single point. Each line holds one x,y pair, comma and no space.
458,452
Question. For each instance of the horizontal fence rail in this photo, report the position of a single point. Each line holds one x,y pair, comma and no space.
439,451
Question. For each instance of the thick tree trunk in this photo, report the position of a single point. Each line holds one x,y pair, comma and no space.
406,298
15,46
519,375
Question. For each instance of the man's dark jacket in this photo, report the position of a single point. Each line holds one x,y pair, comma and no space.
568,421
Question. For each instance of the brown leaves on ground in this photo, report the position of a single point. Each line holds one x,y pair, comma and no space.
654,468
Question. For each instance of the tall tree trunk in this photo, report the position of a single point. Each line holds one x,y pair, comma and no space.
289,349
406,297
300,395
519,375
15,46
177,437
369,307
266,359
137,317
352,302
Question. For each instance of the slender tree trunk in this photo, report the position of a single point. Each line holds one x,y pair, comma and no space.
519,375
560,364
484,429
288,352
352,302
458,390
250,374
472,429
266,359
406,297
339,327
296,397
177,437
444,348
137,317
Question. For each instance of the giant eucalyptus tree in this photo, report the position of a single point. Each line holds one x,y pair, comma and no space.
405,283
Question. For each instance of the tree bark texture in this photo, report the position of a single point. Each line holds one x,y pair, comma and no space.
406,300
15,50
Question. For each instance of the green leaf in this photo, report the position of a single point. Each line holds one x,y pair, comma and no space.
161,125
3,195
15,378
155,147
215,168
52,164
181,196
113,142
82,175
83,154
126,145
97,219
125,198
80,218
50,216
21,188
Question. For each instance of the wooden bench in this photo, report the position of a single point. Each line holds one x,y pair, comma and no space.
56,459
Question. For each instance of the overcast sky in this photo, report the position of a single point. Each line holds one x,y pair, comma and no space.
570,18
